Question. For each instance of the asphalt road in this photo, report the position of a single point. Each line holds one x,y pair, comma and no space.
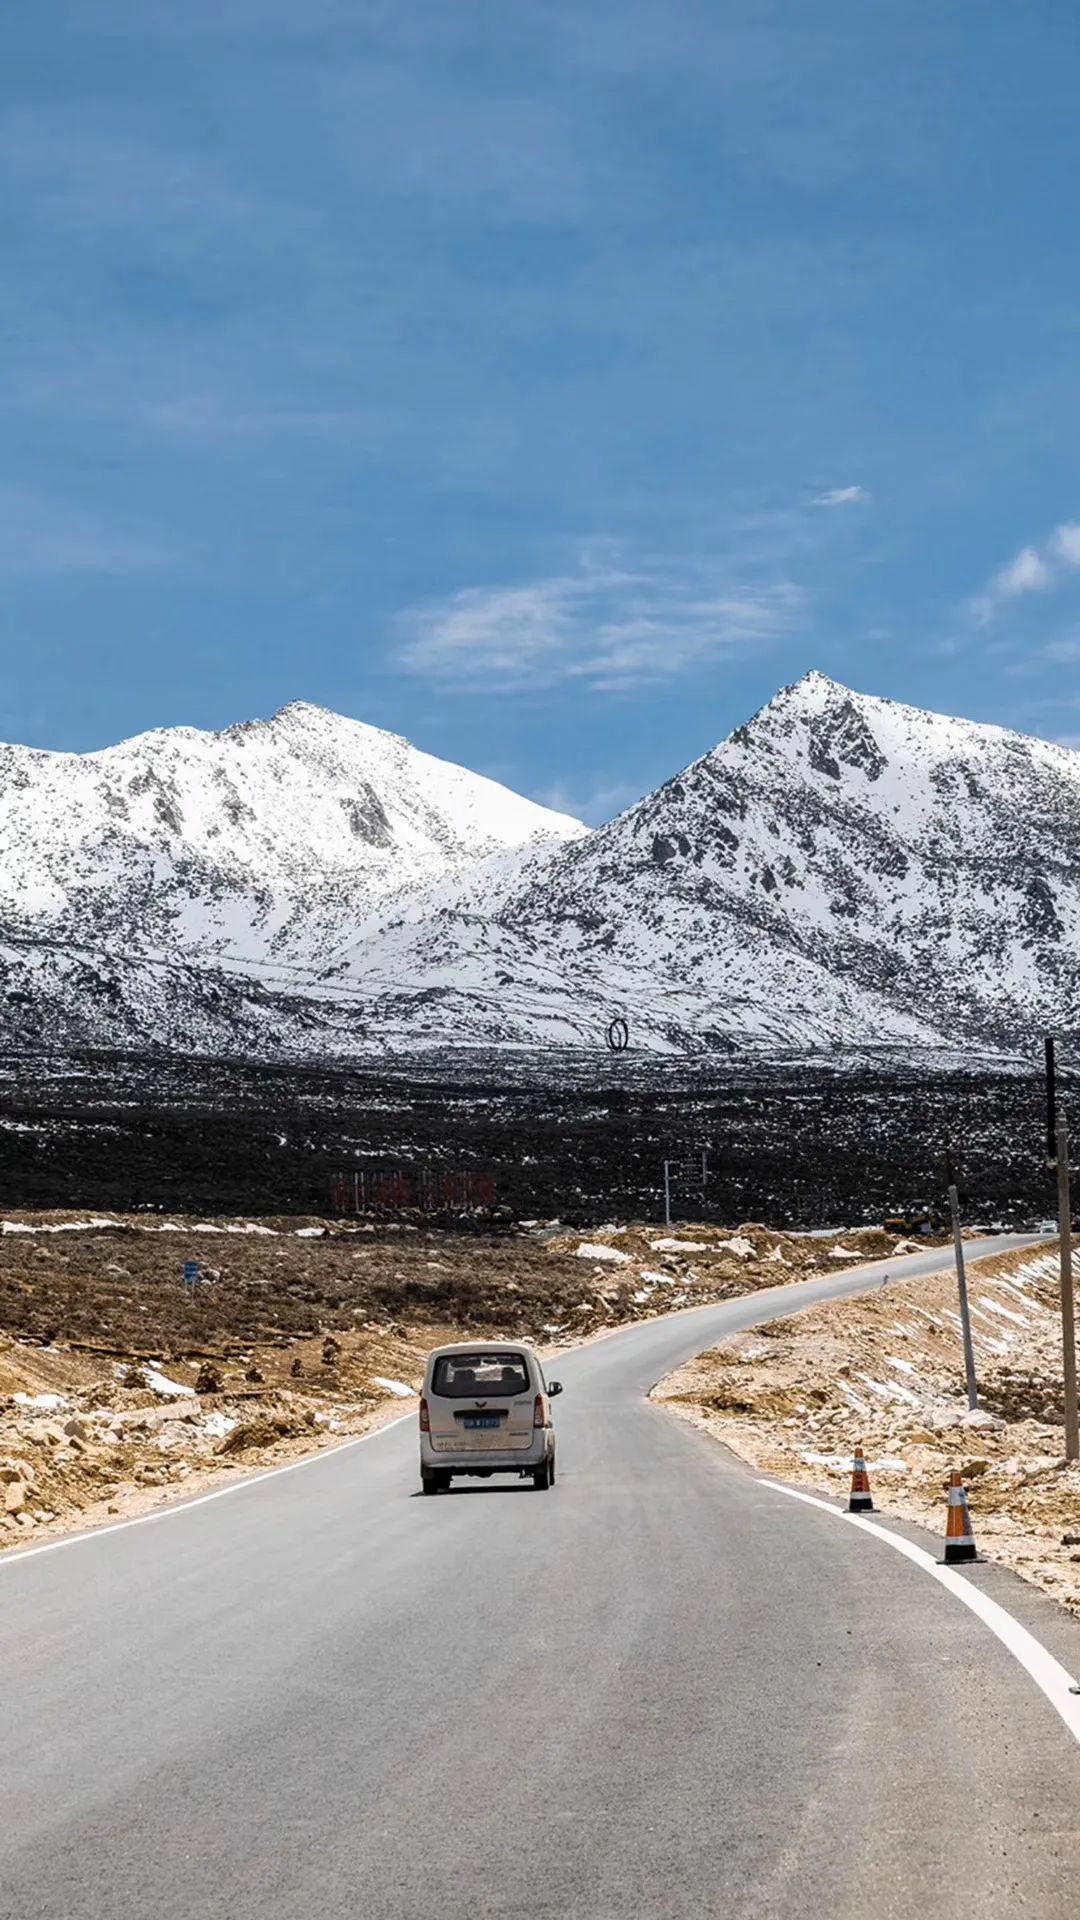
660,1689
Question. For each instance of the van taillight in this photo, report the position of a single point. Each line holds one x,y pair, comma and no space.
538,1411
425,1418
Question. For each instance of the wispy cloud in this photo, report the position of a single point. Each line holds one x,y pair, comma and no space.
1063,653
1032,570
42,536
99,177
602,626
506,152
842,497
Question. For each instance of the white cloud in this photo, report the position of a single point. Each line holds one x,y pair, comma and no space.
842,497
1032,570
1066,544
601,626
1028,573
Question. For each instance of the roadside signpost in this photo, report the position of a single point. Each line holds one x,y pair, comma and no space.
191,1276
687,1168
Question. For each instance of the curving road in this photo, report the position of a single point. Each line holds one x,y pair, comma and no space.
661,1690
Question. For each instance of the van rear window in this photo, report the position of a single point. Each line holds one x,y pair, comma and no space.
467,1376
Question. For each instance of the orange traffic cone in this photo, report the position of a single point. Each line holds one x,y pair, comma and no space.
860,1501
959,1539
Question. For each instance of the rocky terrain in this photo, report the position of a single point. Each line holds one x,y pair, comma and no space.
796,1397
841,873
121,1387
578,1134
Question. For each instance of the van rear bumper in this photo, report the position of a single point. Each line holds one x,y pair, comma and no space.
505,1460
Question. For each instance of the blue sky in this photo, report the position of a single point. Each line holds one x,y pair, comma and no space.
548,380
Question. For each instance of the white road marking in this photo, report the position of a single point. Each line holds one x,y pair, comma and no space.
1048,1674
13,1558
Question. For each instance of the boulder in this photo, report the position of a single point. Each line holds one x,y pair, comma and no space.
256,1433
14,1496
979,1418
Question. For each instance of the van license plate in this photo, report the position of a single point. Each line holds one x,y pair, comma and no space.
472,1421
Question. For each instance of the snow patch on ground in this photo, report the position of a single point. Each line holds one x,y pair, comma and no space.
169,1389
1005,1313
889,1390
56,1226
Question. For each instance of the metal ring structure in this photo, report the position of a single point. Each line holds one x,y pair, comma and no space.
618,1035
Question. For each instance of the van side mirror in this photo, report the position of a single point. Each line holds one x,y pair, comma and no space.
554,1387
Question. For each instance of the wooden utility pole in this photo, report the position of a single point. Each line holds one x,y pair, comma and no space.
667,1193
1068,1317
965,1311
1051,1104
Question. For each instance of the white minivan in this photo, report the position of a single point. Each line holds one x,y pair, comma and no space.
486,1408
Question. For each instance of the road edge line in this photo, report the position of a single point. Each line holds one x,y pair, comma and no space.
1052,1679
13,1557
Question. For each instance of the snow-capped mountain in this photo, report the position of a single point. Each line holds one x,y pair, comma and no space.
841,871
839,868
273,839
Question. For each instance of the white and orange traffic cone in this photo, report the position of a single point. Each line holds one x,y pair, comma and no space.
959,1539
860,1501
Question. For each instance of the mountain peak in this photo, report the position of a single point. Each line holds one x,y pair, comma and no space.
305,717
815,681
304,712
814,691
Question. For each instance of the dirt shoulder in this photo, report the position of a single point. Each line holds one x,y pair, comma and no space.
121,1388
794,1399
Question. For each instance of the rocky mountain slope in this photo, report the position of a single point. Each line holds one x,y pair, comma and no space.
843,860
842,871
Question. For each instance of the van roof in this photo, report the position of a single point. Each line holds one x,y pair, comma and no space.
484,1346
